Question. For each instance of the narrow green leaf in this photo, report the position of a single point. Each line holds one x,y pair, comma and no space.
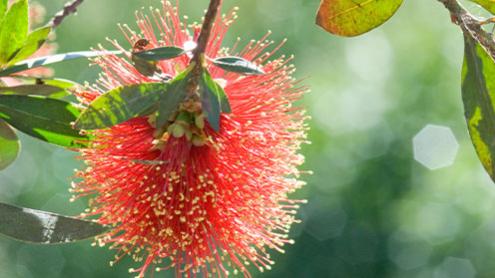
120,104
489,5
13,30
33,42
478,96
170,100
57,82
36,226
239,65
44,118
354,17
40,90
53,59
9,145
214,100
161,53
51,87
3,8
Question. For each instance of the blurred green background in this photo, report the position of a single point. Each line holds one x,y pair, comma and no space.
374,210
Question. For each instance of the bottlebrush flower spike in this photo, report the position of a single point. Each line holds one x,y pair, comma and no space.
203,202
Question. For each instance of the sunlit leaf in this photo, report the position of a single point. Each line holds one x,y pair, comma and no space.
238,64
170,100
354,17
213,99
489,5
43,227
3,8
478,96
33,42
9,145
120,104
53,59
13,30
161,53
46,119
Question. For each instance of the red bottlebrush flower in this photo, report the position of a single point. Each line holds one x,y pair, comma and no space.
206,203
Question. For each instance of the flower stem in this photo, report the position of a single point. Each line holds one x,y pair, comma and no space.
198,55
68,9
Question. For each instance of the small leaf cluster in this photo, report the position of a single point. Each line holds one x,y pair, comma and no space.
37,107
161,101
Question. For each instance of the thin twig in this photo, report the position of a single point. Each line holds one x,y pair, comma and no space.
68,9
470,25
198,58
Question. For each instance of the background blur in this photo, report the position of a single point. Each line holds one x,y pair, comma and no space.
397,190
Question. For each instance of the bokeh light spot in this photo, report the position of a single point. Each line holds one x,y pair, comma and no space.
435,147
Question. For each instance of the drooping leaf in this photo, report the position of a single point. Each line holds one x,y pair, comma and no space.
120,104
478,96
13,30
43,227
161,53
146,68
238,64
489,5
214,100
33,42
354,17
53,59
44,118
9,145
170,100
40,90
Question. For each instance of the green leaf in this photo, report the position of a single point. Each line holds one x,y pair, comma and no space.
161,53
33,42
478,96
214,100
146,68
13,30
9,145
120,104
170,100
40,90
52,87
489,5
44,118
55,82
36,226
354,17
239,65
53,59
3,8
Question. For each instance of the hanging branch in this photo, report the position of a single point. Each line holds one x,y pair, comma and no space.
68,9
470,25
198,55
